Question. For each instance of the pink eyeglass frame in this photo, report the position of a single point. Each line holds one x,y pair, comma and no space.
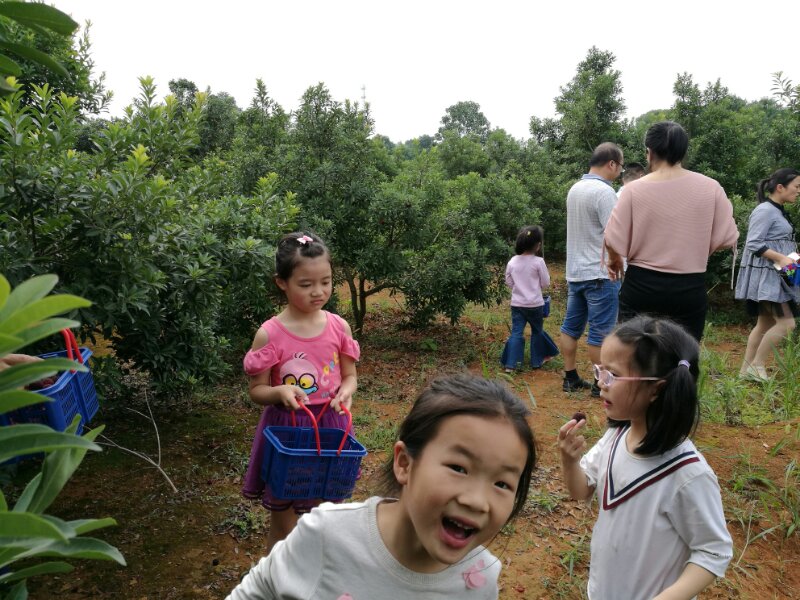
598,371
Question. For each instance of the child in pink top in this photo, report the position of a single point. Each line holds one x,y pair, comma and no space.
527,276
303,355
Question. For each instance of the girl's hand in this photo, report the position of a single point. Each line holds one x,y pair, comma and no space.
291,396
570,441
342,398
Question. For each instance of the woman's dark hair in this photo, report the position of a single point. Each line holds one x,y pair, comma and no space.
294,246
668,141
528,238
780,177
462,394
659,346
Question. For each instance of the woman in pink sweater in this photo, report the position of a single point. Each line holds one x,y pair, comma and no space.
667,224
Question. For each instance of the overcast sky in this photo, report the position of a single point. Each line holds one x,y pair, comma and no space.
415,58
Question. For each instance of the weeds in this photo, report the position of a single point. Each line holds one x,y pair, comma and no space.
244,520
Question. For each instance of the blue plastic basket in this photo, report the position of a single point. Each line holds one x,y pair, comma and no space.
294,469
72,394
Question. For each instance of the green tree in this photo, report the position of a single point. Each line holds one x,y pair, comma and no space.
462,154
589,110
260,130
49,52
464,119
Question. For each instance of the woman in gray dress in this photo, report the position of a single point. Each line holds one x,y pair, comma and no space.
770,239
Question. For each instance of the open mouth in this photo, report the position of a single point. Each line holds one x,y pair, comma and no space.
457,529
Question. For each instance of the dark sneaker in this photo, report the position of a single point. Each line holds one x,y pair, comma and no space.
595,389
575,385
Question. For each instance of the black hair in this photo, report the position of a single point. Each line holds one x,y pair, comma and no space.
528,238
668,141
659,346
780,177
633,170
462,394
294,246
605,152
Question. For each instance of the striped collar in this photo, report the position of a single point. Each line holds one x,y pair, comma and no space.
613,498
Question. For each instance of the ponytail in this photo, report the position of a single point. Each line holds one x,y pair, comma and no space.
762,197
780,177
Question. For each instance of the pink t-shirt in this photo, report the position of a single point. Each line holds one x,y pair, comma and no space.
312,363
672,226
527,276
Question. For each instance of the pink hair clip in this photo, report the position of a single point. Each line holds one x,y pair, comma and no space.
304,239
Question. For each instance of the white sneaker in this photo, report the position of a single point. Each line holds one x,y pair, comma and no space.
756,373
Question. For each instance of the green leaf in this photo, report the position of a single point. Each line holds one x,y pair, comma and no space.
8,66
40,569
83,548
18,592
43,330
14,443
14,399
24,500
41,309
26,292
21,375
33,14
83,526
9,343
36,56
3,503
5,290
58,467
5,88
26,525
67,530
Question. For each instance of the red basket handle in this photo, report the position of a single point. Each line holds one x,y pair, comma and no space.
73,352
316,426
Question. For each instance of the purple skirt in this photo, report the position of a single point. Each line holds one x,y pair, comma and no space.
277,416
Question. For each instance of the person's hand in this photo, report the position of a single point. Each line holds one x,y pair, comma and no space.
341,399
291,396
570,441
10,360
784,261
616,267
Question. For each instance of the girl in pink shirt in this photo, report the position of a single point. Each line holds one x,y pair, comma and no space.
527,276
303,355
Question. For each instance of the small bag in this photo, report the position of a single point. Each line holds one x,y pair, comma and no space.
546,307
791,274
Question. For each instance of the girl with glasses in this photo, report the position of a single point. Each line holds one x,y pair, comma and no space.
660,512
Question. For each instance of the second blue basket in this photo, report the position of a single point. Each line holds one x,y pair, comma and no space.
295,469
72,394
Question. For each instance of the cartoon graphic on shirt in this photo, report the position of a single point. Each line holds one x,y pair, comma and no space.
328,369
300,372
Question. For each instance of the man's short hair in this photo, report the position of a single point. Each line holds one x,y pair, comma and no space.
633,171
604,153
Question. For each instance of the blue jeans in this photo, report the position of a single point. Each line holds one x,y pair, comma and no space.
514,351
595,301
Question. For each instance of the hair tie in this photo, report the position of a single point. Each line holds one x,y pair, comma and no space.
304,239
684,363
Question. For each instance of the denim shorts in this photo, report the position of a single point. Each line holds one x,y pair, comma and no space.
595,302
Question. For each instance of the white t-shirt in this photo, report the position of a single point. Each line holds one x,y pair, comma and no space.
336,553
656,514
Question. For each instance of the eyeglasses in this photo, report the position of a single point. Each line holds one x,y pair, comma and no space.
607,378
